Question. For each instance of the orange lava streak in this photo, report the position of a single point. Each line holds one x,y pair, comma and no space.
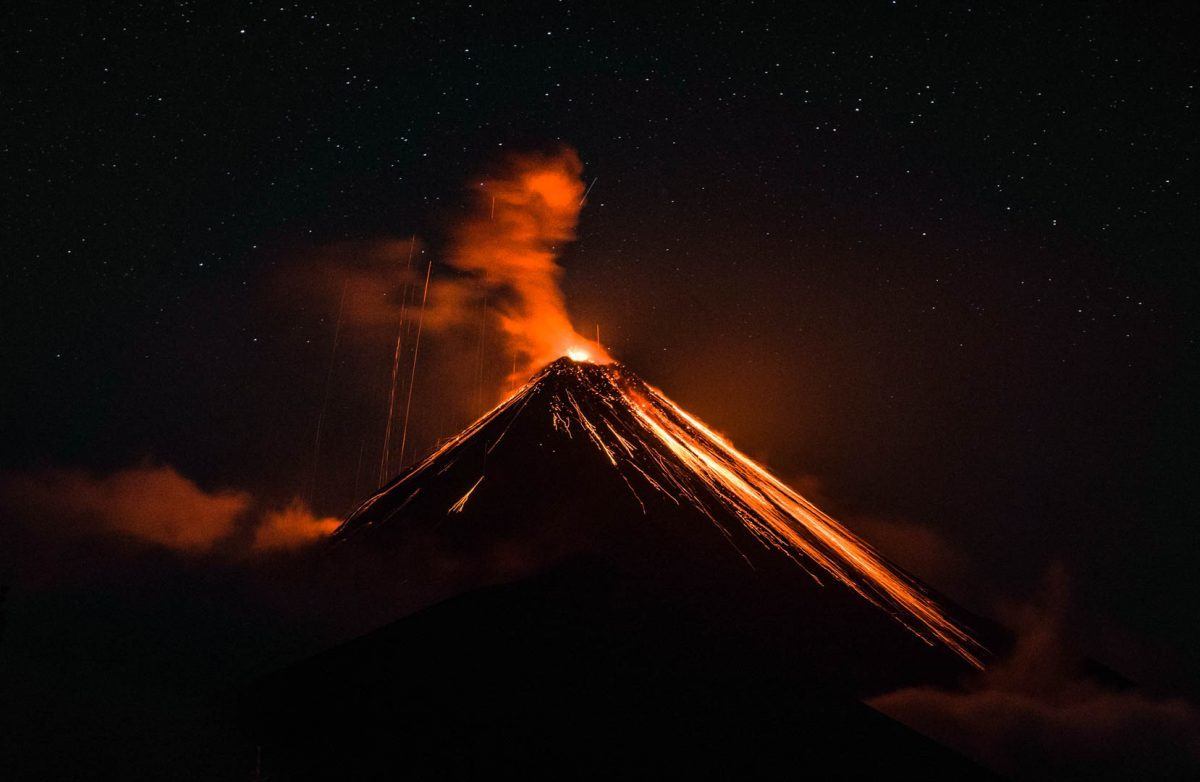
706,464
444,448
462,502
779,516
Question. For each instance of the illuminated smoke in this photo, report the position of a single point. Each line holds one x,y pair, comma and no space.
156,505
152,503
509,247
291,527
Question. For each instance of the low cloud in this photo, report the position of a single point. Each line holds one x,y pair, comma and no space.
156,505
151,503
1039,714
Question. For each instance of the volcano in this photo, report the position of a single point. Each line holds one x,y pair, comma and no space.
577,425
655,594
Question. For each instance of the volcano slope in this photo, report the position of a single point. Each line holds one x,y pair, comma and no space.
663,603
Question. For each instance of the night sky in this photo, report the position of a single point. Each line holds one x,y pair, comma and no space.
933,263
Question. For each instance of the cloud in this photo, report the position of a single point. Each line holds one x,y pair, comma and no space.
1037,714
151,503
1098,735
156,505
292,526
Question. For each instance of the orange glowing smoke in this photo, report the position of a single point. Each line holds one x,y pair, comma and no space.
153,503
157,505
292,527
510,246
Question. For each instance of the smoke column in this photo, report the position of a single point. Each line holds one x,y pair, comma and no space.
509,244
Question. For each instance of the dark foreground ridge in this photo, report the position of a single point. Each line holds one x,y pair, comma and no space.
570,676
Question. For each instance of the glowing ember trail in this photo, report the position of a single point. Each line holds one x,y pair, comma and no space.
657,447
462,503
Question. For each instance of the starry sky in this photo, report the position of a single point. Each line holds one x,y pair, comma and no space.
933,263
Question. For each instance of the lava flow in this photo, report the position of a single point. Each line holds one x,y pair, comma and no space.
656,447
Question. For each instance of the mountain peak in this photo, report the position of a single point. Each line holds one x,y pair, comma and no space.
577,426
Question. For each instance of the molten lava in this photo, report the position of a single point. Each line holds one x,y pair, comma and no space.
578,355
658,448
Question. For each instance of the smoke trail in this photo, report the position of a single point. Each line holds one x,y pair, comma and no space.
509,245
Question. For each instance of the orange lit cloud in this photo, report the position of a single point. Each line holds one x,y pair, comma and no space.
151,503
292,526
157,505
509,248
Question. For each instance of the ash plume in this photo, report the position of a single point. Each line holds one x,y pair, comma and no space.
508,249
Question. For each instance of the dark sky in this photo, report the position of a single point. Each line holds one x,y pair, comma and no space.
939,258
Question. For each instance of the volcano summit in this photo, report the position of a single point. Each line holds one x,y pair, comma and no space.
577,422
